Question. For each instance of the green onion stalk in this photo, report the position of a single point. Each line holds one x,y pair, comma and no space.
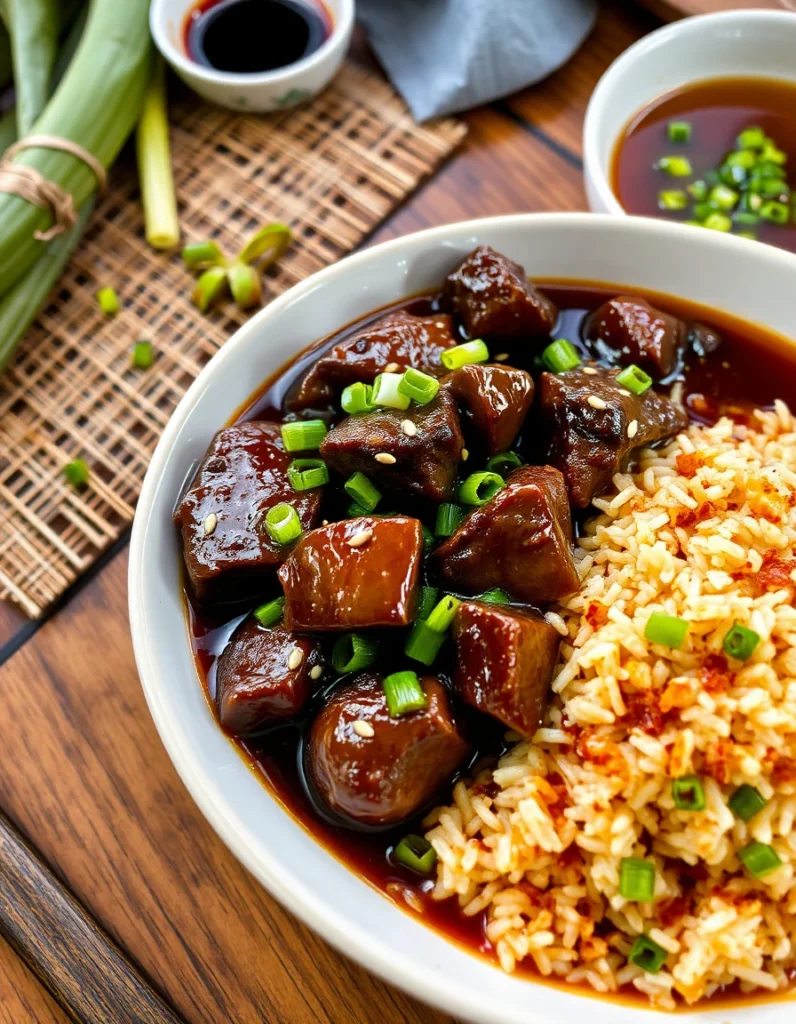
33,27
155,174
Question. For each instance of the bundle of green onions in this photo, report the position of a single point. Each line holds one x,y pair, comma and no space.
96,105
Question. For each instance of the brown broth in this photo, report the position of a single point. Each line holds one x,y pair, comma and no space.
718,109
752,367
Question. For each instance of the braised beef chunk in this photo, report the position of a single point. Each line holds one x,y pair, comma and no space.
228,553
353,574
589,424
398,337
639,332
376,770
495,300
257,682
426,457
520,541
703,340
495,401
505,660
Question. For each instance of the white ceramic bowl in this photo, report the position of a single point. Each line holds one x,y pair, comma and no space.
730,43
635,253
270,90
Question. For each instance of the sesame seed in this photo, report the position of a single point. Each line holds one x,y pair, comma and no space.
325,522
316,672
465,455
632,429
386,459
295,658
501,357
360,538
590,370
624,392
210,523
409,428
391,368
596,403
363,729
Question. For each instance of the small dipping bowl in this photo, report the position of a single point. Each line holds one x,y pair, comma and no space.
730,44
260,91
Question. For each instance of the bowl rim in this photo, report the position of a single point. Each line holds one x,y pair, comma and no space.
341,29
281,880
593,127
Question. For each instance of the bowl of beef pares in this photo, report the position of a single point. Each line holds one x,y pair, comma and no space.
464,607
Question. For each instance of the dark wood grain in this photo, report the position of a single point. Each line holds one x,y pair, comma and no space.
73,958
22,999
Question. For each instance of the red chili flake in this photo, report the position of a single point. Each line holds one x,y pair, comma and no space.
690,517
571,855
490,789
596,615
643,710
689,873
688,463
775,572
670,911
714,676
784,772
717,760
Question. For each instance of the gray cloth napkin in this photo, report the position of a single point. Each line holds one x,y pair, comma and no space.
447,55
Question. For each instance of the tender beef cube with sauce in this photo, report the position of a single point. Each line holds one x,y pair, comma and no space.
263,676
495,300
426,454
375,770
505,660
520,541
354,574
398,339
227,550
589,424
495,401
639,333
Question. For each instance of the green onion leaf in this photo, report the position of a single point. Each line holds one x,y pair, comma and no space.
416,853
282,523
271,612
355,510
441,617
503,463
201,255
688,793
386,393
76,473
358,487
494,596
679,131
746,802
143,355
353,652
423,643
108,301
740,642
428,599
404,693
634,379
647,955
560,356
479,488
357,398
303,435
460,355
751,138
422,387
759,859
637,879
304,474
449,519
776,213
666,630
676,166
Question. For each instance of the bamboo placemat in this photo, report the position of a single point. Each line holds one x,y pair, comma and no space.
332,170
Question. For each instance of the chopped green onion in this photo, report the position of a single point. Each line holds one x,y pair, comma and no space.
266,245
561,355
698,189
746,802
676,166
108,301
357,398
747,234
751,138
688,793
703,210
666,630
634,379
460,355
201,255
759,859
244,283
750,202
304,474
358,487
386,393
494,596
449,519
637,879
773,154
679,131
416,853
428,539
76,473
773,188
303,435
503,463
717,222
209,288
143,355
422,387
647,955
404,693
744,158
423,643
711,177
282,523
442,615
741,217
740,642
355,510
271,612
672,199
732,174
479,488
776,213
724,197
353,652
428,599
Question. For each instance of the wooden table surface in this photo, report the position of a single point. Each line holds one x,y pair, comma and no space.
82,771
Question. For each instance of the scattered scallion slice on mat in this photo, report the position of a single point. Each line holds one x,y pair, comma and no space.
143,355
108,301
76,473
161,224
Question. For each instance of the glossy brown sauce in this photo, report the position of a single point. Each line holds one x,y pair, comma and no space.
752,367
718,109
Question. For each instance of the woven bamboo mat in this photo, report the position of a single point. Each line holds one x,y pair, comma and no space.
332,170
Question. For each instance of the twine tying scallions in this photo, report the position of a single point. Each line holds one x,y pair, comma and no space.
31,185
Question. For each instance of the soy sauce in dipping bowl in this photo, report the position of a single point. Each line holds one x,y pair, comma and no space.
256,55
